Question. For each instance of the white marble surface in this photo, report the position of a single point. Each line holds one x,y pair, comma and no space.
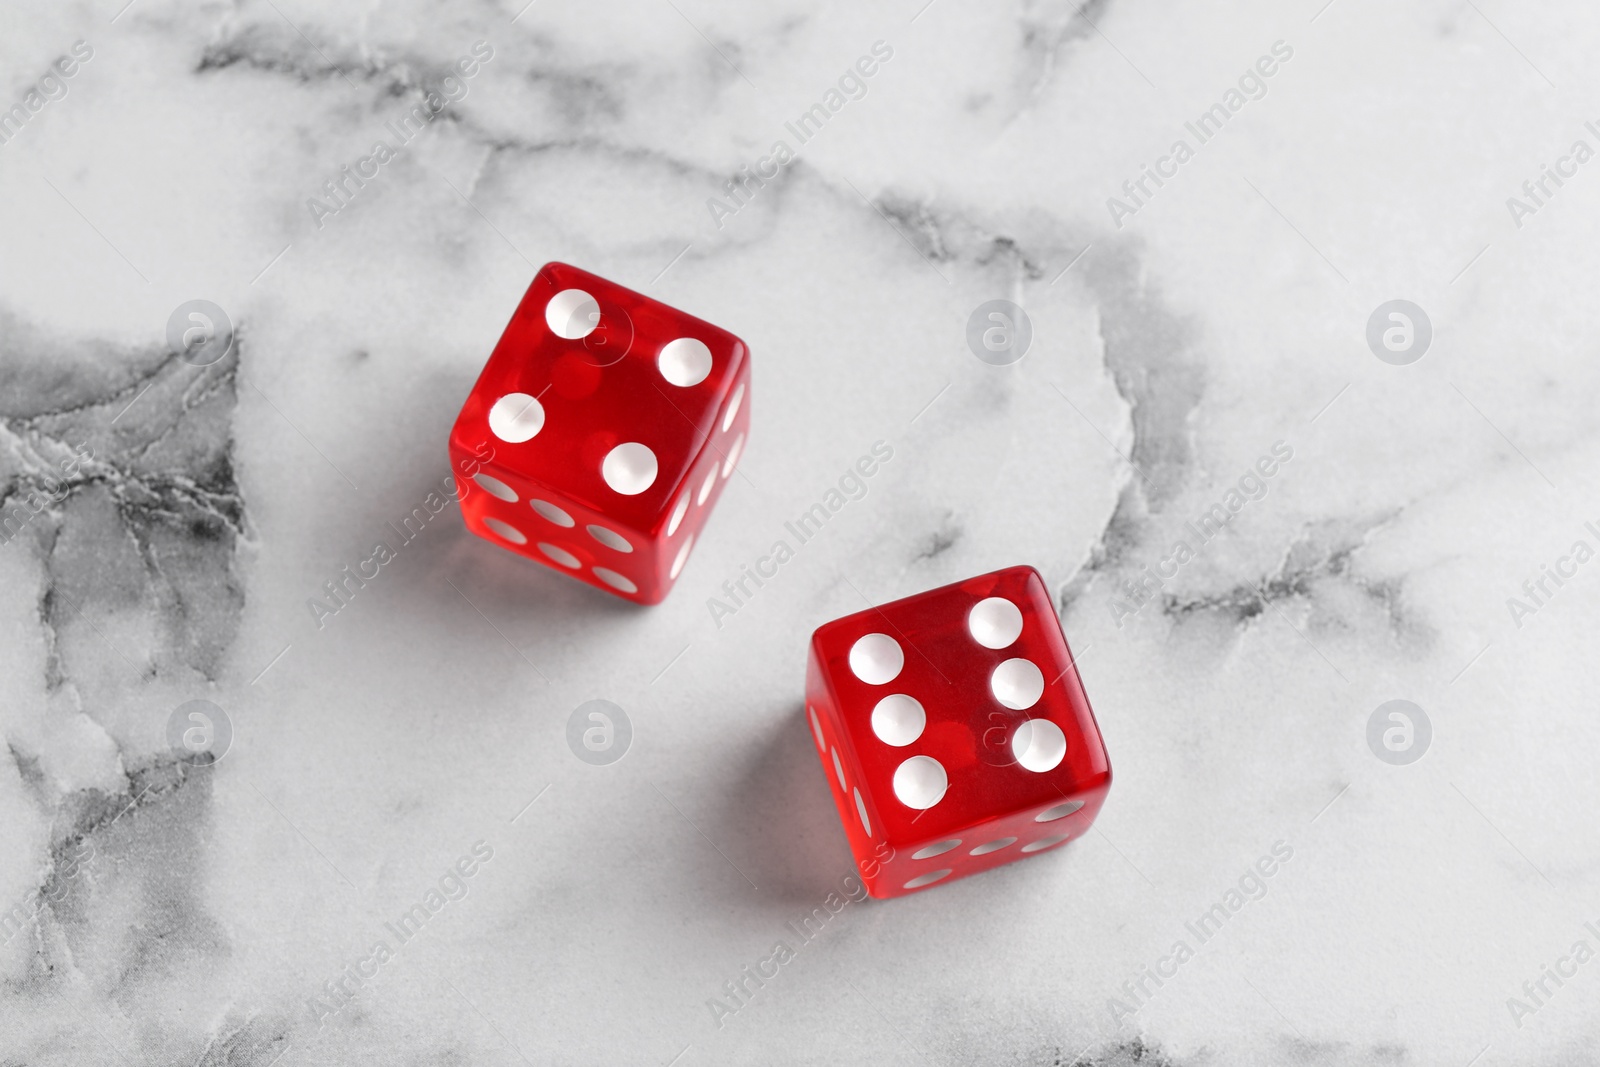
172,915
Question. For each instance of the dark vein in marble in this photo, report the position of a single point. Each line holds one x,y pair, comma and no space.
1325,550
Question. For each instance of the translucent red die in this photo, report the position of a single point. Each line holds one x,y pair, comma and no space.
601,432
954,731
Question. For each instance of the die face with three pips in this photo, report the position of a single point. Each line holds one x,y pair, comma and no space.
954,731
600,433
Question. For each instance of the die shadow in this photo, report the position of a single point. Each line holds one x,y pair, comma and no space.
788,826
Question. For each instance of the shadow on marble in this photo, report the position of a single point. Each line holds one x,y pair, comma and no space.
786,817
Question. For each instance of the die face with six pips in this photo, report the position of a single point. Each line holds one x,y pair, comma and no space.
954,731
600,433
952,725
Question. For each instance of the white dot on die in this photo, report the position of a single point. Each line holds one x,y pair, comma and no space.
682,558
1060,811
551,512
995,622
939,848
927,879
992,846
733,407
876,659
516,417
572,313
684,362
920,782
838,768
861,810
629,468
559,554
1045,842
1017,684
506,530
677,515
816,726
705,486
898,720
615,580
1039,745
733,455
609,538
495,487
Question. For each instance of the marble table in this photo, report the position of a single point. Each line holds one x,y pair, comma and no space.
1207,214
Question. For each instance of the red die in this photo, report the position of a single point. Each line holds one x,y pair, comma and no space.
954,731
601,431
